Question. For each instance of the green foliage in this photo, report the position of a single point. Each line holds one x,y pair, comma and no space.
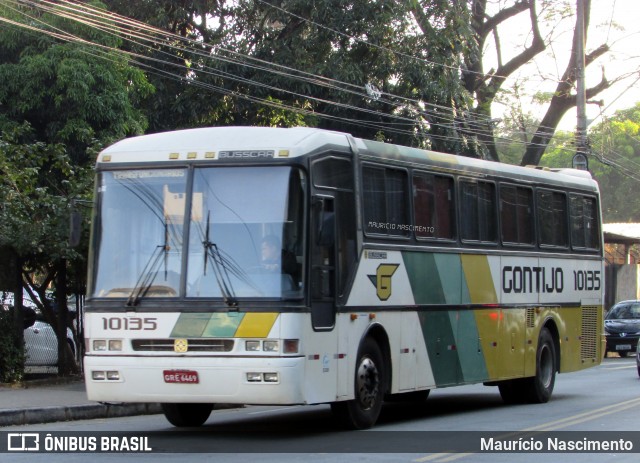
615,161
388,44
11,357
60,102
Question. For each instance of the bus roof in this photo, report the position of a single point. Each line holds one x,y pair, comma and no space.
178,144
268,142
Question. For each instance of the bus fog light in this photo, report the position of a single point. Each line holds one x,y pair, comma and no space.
113,375
252,346
270,346
271,377
99,345
98,375
290,346
254,377
115,344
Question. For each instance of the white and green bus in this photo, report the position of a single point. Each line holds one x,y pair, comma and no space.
244,265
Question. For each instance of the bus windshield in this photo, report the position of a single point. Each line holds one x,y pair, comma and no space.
244,225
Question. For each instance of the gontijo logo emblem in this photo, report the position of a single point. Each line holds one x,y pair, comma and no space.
382,280
180,346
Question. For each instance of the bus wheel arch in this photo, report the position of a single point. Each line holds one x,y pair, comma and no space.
537,388
371,382
378,333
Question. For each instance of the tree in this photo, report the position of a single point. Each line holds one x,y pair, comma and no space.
614,162
59,102
486,85
365,67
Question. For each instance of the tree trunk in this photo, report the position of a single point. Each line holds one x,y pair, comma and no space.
547,127
66,361
18,313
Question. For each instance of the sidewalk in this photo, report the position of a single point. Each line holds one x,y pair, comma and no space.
58,399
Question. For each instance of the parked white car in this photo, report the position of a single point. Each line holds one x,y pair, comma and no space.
40,341
41,344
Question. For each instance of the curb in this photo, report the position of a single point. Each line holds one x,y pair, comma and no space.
19,417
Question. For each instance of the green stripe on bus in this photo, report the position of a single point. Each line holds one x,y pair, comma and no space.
424,278
436,278
206,325
440,342
470,353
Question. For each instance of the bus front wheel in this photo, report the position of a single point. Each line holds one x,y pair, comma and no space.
186,415
369,386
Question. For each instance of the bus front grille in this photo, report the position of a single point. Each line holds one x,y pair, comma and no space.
193,345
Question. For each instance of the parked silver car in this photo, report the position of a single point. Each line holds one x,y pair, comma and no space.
40,341
41,344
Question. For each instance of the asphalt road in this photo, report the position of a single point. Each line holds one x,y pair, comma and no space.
599,404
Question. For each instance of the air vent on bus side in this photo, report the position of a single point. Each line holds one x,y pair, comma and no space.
589,344
531,320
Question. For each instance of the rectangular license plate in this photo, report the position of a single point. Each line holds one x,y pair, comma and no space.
623,347
181,376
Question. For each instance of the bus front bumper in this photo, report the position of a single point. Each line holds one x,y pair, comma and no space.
231,380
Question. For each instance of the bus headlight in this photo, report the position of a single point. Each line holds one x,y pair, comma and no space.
270,377
252,346
270,346
115,344
99,345
103,345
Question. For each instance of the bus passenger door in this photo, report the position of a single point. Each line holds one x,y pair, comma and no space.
323,268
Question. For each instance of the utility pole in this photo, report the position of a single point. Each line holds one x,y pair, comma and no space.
580,160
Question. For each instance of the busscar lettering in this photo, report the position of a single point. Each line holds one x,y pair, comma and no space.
253,154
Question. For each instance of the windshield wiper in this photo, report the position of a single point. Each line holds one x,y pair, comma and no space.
220,268
148,274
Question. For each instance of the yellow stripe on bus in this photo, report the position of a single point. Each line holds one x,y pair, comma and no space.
256,325
478,276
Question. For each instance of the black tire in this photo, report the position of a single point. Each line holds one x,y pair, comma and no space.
540,387
536,389
622,354
370,385
511,391
187,415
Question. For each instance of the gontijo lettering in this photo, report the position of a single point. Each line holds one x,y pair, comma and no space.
532,279
522,279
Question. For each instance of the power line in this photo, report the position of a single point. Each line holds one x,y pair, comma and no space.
103,20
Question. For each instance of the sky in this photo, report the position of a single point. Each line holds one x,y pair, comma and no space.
615,22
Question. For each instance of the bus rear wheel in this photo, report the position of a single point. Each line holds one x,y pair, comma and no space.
186,415
538,388
369,386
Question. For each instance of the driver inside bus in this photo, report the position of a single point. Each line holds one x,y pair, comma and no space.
275,259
